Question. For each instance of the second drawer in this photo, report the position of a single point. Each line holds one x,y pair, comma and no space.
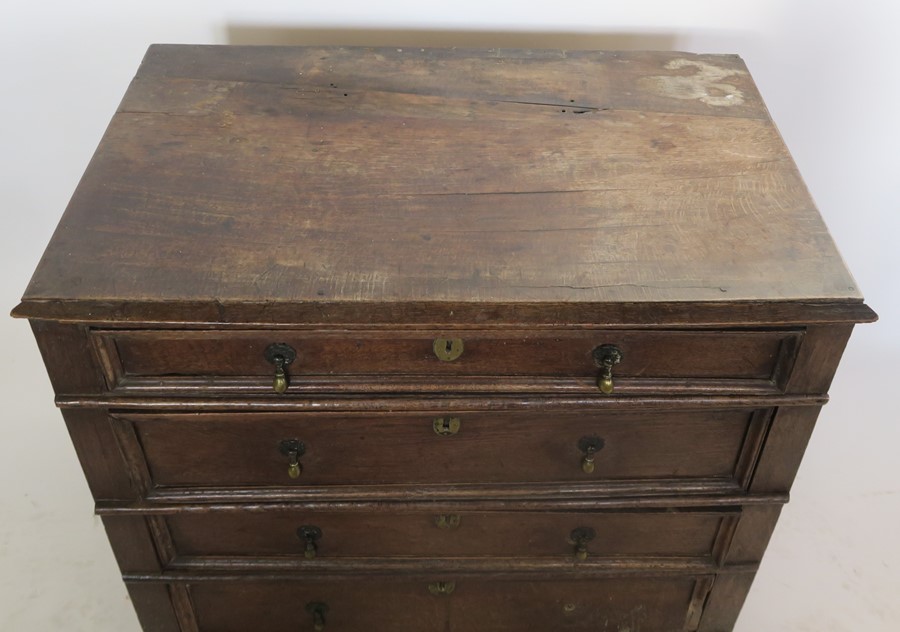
327,453
328,534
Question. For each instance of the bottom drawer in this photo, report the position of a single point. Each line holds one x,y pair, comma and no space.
616,604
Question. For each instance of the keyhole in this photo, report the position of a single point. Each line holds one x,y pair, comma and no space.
448,349
445,427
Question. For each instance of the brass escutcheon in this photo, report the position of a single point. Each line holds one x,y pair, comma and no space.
441,588
447,349
447,521
446,426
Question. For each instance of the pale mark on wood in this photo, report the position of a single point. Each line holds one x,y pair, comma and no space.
704,85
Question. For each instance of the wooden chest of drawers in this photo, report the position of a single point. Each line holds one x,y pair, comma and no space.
352,339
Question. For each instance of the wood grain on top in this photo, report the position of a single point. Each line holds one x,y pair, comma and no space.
297,175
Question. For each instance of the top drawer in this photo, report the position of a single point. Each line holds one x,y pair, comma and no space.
582,360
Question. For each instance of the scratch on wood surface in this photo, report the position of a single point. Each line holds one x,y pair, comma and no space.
544,192
444,194
271,274
611,285
632,621
576,108
160,113
528,230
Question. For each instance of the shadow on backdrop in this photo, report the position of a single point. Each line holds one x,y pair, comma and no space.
249,34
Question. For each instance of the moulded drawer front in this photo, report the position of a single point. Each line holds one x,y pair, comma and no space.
325,534
228,450
345,360
444,603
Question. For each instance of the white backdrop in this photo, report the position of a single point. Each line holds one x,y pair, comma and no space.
829,73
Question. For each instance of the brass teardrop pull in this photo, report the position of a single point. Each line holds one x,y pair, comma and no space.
318,610
606,357
447,521
311,535
293,450
280,355
579,538
280,381
441,588
589,446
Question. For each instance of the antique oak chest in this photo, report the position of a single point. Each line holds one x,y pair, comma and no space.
440,340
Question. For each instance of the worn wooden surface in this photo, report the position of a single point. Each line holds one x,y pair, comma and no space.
331,175
646,354
404,534
229,450
378,605
359,203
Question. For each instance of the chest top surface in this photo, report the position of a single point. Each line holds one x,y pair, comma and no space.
277,175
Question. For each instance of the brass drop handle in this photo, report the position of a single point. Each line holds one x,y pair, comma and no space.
293,450
318,610
580,538
280,381
441,588
280,355
311,535
587,463
589,446
606,357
